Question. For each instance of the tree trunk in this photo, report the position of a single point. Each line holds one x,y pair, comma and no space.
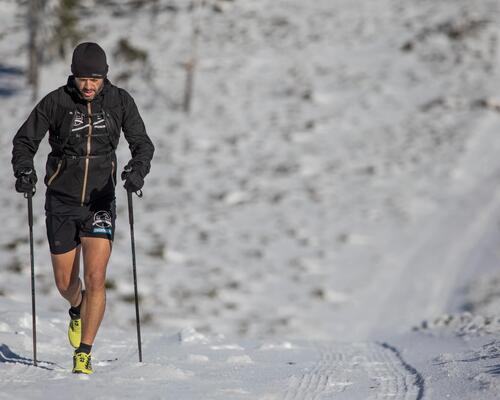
191,64
34,10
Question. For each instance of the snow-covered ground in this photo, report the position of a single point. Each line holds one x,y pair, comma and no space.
324,224
437,364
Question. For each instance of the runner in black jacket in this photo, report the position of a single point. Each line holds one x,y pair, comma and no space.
84,120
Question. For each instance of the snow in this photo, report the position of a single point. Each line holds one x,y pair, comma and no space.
324,224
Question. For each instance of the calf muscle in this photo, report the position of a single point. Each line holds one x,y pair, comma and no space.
96,253
66,268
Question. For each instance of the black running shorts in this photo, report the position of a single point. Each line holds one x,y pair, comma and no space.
66,224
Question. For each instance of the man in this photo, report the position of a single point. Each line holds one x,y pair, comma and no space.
84,119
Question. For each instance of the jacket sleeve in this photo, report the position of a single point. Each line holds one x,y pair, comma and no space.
140,145
29,136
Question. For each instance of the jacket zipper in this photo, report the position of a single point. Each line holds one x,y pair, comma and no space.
113,173
87,159
54,175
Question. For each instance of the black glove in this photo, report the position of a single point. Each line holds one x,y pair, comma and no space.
132,177
26,180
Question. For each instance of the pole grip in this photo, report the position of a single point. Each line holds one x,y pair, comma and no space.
130,208
29,196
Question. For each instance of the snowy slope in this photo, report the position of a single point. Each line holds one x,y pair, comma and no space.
335,181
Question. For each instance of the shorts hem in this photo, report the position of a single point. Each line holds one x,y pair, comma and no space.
96,235
64,250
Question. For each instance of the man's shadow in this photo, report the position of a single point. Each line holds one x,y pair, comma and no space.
7,356
494,370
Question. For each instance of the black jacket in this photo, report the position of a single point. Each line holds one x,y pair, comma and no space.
81,167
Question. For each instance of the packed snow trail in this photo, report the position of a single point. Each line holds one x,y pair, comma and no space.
191,365
319,371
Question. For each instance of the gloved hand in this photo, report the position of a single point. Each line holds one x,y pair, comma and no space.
26,180
132,177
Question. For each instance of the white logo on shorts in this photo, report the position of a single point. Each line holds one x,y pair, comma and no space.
102,219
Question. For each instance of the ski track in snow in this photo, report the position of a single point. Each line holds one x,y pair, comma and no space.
430,273
374,369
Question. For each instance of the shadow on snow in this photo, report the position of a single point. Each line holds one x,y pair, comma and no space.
7,356
494,370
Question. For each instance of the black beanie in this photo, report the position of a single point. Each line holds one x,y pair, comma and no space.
89,61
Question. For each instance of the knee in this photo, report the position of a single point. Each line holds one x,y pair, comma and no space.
95,281
65,285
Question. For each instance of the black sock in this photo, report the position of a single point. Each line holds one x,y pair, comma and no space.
74,312
84,348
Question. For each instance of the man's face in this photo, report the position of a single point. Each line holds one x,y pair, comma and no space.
89,87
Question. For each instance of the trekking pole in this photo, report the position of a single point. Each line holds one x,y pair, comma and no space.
132,240
29,196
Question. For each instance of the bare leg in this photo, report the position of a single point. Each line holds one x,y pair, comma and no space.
96,252
66,274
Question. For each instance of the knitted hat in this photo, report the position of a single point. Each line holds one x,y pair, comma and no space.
89,61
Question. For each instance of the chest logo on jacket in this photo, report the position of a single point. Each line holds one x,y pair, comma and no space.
81,122
78,120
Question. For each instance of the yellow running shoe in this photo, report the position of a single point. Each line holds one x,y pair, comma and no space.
75,332
82,363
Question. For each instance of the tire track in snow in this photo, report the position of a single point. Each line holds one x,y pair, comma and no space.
320,379
419,381
363,370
